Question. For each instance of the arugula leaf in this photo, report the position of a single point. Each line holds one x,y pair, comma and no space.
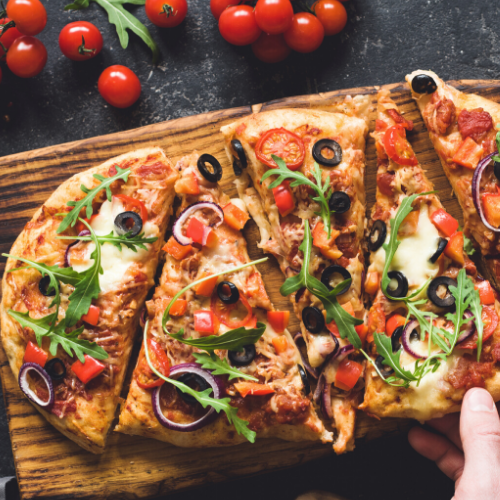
497,157
323,190
468,246
43,327
233,340
476,308
218,366
132,243
384,347
86,202
123,20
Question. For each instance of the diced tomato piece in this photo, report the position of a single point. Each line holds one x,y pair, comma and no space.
393,322
210,238
195,230
362,331
175,249
235,217
372,283
376,320
455,248
486,293
35,354
280,344
88,370
206,287
385,183
205,322
380,125
398,148
469,153
255,287
144,376
179,308
278,320
252,388
130,202
348,374
92,316
444,222
252,323
491,206
80,226
187,185
284,198
333,326
325,245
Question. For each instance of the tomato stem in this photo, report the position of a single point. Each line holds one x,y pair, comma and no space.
83,51
2,46
168,10
5,27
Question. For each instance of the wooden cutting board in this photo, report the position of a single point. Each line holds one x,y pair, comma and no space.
50,465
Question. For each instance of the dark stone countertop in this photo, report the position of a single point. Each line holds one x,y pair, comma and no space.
199,72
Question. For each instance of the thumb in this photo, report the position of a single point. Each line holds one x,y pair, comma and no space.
480,433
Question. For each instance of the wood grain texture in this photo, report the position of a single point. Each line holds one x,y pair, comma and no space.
50,466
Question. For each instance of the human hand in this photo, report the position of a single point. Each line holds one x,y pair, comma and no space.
470,452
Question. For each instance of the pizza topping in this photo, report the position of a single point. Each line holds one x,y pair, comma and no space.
377,236
398,284
445,115
278,320
486,293
385,183
314,372
398,148
228,292
238,148
423,84
333,270
396,338
88,369
45,287
468,154
35,354
444,222
92,316
283,198
439,291
232,315
333,152
205,322
348,374
282,143
214,176
187,184
42,375
489,319
476,190
393,323
253,389
305,380
412,342
399,119
455,248
243,357
339,202
235,217
56,369
176,250
313,319
474,123
442,242
128,223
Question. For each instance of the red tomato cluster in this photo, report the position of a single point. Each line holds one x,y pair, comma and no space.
273,29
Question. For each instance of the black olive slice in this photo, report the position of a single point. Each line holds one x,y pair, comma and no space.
423,84
238,148
432,292
377,236
237,168
327,274
55,368
214,176
191,379
313,319
385,370
228,298
242,358
123,223
299,294
305,380
396,338
43,286
496,169
442,242
339,202
333,146
401,289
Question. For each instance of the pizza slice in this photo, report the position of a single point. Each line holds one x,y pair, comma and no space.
220,366
433,329
75,282
301,176
463,128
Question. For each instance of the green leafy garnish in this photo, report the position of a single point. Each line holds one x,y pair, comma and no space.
497,138
133,243
86,202
334,311
123,20
218,366
468,246
70,342
322,189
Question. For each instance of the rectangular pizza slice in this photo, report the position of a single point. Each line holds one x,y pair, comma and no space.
463,128
75,282
433,328
219,367
301,174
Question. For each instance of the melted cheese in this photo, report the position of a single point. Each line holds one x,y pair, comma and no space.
115,263
412,256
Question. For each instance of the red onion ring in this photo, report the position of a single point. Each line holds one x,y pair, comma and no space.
28,392
179,223
406,340
471,328
214,383
326,402
85,232
476,195
314,372
343,352
319,389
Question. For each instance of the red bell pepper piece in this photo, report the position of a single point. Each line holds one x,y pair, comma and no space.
88,370
252,388
175,249
284,198
92,316
348,374
205,322
35,354
444,222
278,320
455,248
235,217
486,293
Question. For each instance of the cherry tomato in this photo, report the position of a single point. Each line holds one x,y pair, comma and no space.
80,40
283,143
238,26
332,15
219,6
119,86
232,315
274,16
270,48
8,36
305,33
144,376
26,57
30,16
166,13
398,148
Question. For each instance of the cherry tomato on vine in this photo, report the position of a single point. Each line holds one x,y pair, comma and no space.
332,15
305,33
26,57
238,26
166,13
8,36
219,6
274,16
80,41
270,48
119,86
30,16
